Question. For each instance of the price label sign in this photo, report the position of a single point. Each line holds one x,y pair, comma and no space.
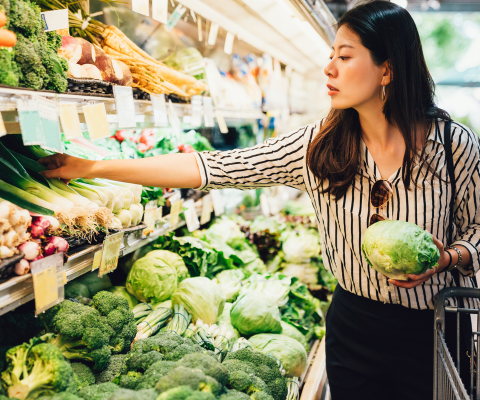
159,105
97,260
208,112
30,122
197,109
125,105
191,216
55,20
96,119
174,120
175,17
218,203
160,11
150,216
110,253
51,126
264,205
141,7
48,275
207,209
221,121
3,131
175,209
70,121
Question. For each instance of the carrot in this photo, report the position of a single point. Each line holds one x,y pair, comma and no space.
7,38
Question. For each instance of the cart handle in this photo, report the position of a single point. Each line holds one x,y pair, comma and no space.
447,293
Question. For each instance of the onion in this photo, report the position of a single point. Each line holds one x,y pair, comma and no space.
39,257
54,224
22,267
42,222
30,249
37,232
49,249
60,244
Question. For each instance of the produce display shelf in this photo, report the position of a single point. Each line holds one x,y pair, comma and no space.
18,290
313,384
143,108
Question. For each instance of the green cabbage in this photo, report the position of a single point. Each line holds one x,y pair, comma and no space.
122,291
152,279
173,259
289,351
256,312
201,297
230,281
294,333
301,244
397,248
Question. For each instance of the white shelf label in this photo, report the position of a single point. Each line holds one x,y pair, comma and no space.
48,112
125,106
218,202
48,275
159,105
174,120
141,7
191,217
110,253
207,208
212,36
228,49
221,121
208,112
96,119
175,209
30,122
175,17
70,120
55,20
160,11
3,131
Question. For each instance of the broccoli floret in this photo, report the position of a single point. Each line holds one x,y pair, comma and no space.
234,395
237,365
177,393
261,396
36,368
127,394
143,361
201,396
116,367
211,386
240,380
258,385
130,380
179,352
154,373
82,375
60,396
98,392
181,376
119,317
81,333
209,365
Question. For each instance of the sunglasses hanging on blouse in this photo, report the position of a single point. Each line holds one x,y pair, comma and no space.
380,195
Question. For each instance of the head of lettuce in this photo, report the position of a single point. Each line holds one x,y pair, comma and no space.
398,248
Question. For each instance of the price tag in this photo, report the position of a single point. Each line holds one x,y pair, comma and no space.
158,214
30,122
51,127
141,7
56,19
200,29
96,119
48,277
110,253
218,203
125,105
174,120
207,209
160,114
160,11
97,260
175,209
175,17
221,121
228,49
70,121
150,216
191,217
197,109
212,36
208,112
264,205
3,131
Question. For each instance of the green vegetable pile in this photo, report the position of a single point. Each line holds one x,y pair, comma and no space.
34,61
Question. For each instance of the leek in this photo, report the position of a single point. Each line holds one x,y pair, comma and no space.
127,193
91,194
26,200
125,218
119,198
136,189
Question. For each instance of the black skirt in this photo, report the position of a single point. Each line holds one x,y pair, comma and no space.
379,351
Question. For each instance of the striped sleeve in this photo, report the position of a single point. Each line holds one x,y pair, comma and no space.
277,161
466,155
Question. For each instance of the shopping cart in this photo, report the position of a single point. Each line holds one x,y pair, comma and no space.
446,378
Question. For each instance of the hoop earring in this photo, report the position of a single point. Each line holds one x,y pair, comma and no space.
383,92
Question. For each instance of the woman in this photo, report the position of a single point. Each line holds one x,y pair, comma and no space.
383,126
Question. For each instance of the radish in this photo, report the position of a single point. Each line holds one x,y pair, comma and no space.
22,267
71,49
30,249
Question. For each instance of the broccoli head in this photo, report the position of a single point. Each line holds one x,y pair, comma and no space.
179,376
233,366
258,385
201,396
119,317
116,367
36,368
179,352
82,375
176,393
261,396
127,394
208,364
60,396
234,395
240,380
211,385
154,373
81,333
141,362
130,380
98,392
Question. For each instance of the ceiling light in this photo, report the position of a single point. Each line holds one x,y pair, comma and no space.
401,3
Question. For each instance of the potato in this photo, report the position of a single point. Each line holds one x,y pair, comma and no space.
88,52
71,49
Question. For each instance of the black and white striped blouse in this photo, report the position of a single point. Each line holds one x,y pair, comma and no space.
282,161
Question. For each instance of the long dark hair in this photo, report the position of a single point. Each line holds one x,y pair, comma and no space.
389,33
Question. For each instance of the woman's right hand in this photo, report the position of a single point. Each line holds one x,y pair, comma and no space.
66,167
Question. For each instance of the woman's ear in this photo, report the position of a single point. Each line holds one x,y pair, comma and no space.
387,73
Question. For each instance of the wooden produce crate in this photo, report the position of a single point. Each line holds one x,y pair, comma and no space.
313,383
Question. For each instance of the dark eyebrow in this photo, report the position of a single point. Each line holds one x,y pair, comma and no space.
343,45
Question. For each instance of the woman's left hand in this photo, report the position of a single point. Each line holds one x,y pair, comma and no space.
415,280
